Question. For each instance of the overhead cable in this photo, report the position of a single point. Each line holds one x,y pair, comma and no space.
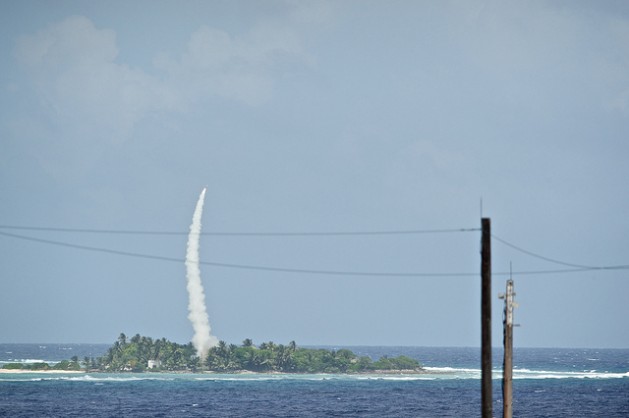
555,261
246,233
230,265
295,270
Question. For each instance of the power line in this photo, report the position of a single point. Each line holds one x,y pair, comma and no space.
230,265
541,257
555,261
244,234
294,270
90,248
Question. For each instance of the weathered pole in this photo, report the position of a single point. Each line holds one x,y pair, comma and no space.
507,368
486,395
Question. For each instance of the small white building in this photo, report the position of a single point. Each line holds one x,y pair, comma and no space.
154,364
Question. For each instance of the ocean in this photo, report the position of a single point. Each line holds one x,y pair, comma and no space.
548,382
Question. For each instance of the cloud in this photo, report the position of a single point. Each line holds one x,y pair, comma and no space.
86,92
83,90
74,41
541,51
320,12
618,69
239,68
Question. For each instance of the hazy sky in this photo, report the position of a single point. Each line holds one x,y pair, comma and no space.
315,116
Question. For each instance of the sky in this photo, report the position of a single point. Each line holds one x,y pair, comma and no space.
314,116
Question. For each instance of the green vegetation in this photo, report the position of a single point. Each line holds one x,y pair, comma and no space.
16,366
67,365
41,366
134,355
141,354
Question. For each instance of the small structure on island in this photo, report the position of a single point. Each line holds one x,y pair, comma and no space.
154,364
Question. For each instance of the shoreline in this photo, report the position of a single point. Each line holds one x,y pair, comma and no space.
236,372
26,371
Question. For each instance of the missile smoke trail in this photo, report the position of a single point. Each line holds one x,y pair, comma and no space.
202,339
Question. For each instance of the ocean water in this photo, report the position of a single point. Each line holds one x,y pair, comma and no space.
547,383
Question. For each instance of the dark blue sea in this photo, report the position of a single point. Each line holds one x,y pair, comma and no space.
547,383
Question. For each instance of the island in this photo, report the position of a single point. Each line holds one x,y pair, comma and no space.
145,354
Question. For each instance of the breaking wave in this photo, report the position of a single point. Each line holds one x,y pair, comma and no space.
432,373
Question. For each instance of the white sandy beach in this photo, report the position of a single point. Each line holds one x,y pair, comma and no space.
23,371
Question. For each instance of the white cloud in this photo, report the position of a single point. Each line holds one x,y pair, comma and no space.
240,68
542,51
73,67
70,43
618,68
319,12
84,90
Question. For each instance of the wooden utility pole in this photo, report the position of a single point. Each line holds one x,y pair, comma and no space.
486,395
507,368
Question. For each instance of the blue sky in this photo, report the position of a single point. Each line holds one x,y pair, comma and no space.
315,116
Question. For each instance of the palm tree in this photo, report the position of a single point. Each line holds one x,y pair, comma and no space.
268,346
284,358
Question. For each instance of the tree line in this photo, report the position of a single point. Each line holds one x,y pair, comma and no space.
68,365
133,355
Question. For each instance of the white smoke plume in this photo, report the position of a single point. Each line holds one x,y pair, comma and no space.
202,339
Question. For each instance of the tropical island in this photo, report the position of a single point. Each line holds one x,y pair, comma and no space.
144,354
